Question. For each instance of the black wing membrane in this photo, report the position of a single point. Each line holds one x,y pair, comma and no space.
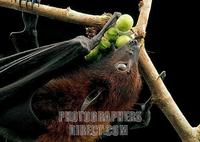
28,71
21,77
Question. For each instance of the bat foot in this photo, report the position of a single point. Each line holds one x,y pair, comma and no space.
27,38
144,108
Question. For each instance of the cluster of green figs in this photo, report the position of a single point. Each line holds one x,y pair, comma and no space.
119,35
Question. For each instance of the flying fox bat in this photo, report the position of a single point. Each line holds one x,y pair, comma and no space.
36,83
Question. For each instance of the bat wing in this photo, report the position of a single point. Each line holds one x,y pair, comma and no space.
21,76
23,73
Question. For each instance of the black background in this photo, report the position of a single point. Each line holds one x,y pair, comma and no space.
172,39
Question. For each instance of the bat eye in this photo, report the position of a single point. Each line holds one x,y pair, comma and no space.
121,67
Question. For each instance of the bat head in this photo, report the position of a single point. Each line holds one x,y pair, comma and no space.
125,57
118,73
121,60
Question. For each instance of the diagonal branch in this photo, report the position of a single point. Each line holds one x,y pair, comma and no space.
161,95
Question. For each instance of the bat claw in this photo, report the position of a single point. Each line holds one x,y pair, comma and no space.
27,1
117,14
144,108
35,1
20,3
162,75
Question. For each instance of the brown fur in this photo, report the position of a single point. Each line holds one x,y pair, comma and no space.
69,92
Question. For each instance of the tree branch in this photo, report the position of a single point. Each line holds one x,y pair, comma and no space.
161,95
66,15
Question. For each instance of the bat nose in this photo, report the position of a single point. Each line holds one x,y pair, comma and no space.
129,51
133,44
134,49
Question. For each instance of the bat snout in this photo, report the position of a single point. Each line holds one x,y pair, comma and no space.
134,50
128,52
